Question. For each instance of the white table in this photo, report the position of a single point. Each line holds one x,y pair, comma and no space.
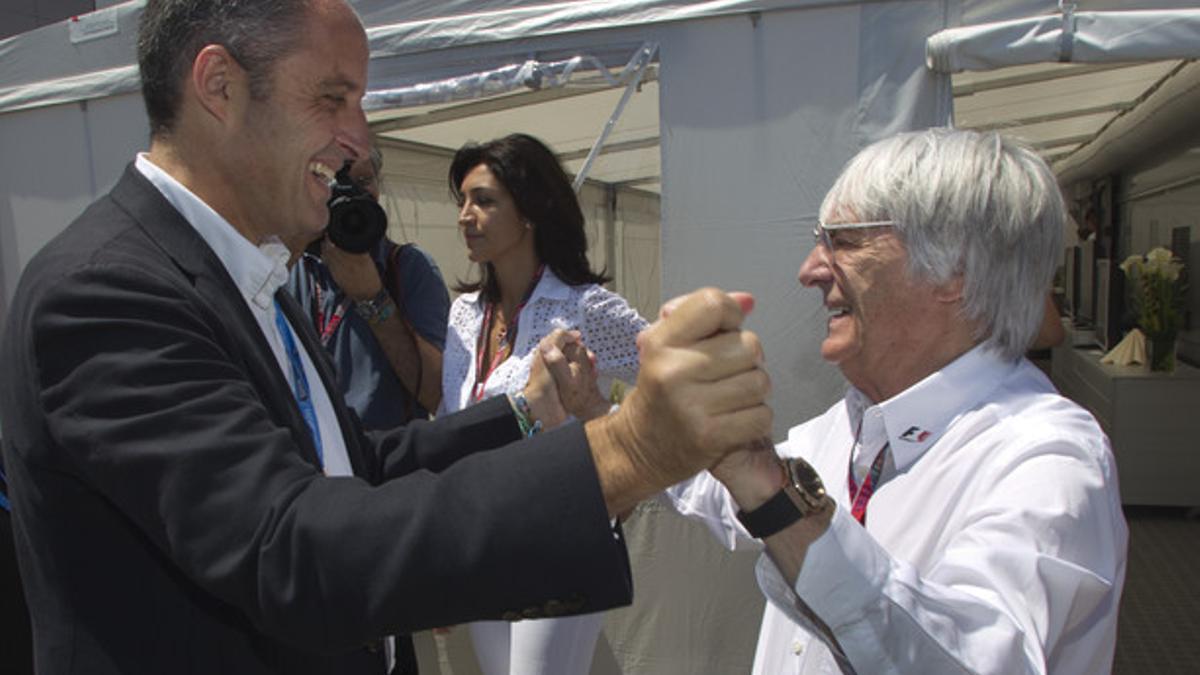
1152,419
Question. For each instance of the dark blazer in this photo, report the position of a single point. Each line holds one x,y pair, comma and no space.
169,513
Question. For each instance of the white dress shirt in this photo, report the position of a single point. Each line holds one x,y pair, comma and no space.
608,324
994,544
258,271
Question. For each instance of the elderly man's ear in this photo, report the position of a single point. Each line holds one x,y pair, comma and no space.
949,291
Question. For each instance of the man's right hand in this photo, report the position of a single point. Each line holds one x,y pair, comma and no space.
700,394
354,273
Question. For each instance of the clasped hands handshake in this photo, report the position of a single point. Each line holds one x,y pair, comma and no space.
700,396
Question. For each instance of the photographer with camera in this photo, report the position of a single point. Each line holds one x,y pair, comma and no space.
379,307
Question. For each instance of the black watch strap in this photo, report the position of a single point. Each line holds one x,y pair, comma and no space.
771,516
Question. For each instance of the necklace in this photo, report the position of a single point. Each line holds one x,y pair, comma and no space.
485,367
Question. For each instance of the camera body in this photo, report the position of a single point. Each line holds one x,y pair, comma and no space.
356,221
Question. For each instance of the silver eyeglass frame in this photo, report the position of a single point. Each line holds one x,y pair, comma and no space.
821,230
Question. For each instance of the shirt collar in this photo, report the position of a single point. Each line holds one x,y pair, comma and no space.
550,287
916,418
258,270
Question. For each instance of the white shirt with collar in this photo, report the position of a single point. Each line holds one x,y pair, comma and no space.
608,324
995,542
258,271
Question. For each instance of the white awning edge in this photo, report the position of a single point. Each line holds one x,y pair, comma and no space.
529,74
401,38
1097,37
111,82
1162,124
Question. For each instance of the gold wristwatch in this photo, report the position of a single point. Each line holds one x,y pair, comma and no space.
802,494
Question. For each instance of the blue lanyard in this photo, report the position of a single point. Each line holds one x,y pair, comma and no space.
299,381
3,497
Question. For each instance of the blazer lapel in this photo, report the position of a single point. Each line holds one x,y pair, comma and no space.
171,231
209,278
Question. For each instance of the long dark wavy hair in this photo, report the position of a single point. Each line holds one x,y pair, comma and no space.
543,196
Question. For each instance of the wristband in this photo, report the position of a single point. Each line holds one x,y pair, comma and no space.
524,414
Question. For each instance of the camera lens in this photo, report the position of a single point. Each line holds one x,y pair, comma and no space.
356,223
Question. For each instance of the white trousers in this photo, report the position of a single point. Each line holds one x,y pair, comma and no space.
558,646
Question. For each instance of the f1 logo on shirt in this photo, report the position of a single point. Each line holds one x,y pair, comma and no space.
914,435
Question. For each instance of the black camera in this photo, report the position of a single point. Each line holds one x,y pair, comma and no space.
356,221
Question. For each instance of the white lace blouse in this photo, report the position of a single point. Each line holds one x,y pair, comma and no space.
608,324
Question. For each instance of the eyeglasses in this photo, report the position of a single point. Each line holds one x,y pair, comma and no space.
365,182
821,230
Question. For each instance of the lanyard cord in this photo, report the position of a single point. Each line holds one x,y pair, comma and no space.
325,326
861,494
299,381
506,342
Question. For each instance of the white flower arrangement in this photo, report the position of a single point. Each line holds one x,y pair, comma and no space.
1157,295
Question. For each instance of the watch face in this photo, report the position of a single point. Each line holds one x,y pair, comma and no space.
805,478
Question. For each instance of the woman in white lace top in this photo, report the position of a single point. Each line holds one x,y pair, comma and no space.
523,226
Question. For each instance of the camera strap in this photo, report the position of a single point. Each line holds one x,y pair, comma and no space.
392,278
393,282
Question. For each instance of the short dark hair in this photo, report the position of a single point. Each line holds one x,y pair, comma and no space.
543,194
171,33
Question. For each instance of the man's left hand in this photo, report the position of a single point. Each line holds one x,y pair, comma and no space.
562,380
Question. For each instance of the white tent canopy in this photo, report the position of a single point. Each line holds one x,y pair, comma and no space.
734,122
1061,80
1084,37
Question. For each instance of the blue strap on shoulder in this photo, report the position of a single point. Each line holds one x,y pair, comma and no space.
299,381
4,491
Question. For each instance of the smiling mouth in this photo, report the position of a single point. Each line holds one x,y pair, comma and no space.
323,172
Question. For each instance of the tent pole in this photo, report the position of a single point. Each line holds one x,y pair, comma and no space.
640,62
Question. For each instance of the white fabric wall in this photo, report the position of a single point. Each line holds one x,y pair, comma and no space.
757,120
56,161
636,268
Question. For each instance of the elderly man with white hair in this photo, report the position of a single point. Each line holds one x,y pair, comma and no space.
953,513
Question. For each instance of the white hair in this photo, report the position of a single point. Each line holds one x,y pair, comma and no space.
966,203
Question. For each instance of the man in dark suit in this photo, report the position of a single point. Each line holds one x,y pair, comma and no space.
189,491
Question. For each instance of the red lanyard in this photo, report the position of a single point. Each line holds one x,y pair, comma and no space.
507,342
862,494
325,326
